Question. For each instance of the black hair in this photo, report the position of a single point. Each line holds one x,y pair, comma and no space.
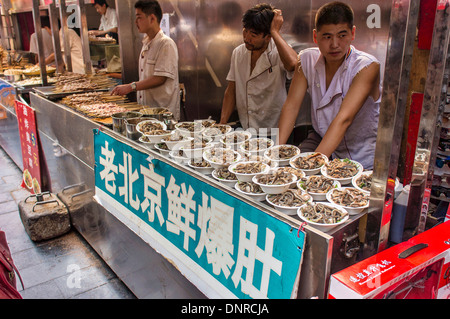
101,3
334,13
150,7
45,22
259,18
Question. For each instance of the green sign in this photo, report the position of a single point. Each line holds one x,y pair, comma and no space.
226,247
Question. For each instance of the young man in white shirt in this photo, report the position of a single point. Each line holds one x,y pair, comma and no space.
108,20
345,88
158,84
75,49
259,70
47,40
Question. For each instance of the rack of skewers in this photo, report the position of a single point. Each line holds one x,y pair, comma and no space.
73,83
99,106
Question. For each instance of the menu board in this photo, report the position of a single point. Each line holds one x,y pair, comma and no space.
32,177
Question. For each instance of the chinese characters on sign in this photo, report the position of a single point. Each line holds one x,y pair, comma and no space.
32,178
371,272
240,248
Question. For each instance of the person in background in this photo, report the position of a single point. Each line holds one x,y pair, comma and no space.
259,70
108,20
345,88
76,51
158,84
46,38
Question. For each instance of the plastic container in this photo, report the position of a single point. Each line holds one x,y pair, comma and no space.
398,215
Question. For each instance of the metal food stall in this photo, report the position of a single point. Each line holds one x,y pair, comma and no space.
142,258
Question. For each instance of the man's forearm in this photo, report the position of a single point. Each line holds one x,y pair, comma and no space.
334,136
287,54
146,84
150,83
228,104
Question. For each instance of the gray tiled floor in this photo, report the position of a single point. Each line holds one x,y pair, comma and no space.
61,268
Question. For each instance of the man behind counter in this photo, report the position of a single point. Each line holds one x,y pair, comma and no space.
75,48
47,40
345,88
158,84
108,21
259,70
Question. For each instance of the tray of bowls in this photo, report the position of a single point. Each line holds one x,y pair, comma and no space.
321,192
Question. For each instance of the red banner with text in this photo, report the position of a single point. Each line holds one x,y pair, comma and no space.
32,169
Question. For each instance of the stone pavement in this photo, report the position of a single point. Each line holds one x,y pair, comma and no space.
61,268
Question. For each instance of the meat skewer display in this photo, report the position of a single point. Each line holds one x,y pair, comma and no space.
72,83
98,105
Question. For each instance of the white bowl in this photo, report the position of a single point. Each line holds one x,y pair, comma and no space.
157,138
263,144
231,156
215,133
273,189
198,128
317,197
288,210
204,170
150,121
312,171
355,181
247,157
179,159
322,226
247,177
196,152
228,182
146,142
272,154
172,145
345,180
297,172
160,149
207,122
350,210
228,139
260,197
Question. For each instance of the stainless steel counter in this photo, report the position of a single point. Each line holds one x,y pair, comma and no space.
67,139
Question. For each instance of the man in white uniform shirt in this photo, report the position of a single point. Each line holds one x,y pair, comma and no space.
345,88
158,84
108,21
46,38
75,49
259,70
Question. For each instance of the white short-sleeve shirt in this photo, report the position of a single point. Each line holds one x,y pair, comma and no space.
108,20
47,42
159,57
360,139
76,51
260,95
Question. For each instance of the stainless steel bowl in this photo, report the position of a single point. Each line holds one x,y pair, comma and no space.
155,112
119,120
131,131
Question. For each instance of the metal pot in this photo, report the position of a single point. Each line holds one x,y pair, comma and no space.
155,113
119,120
131,130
